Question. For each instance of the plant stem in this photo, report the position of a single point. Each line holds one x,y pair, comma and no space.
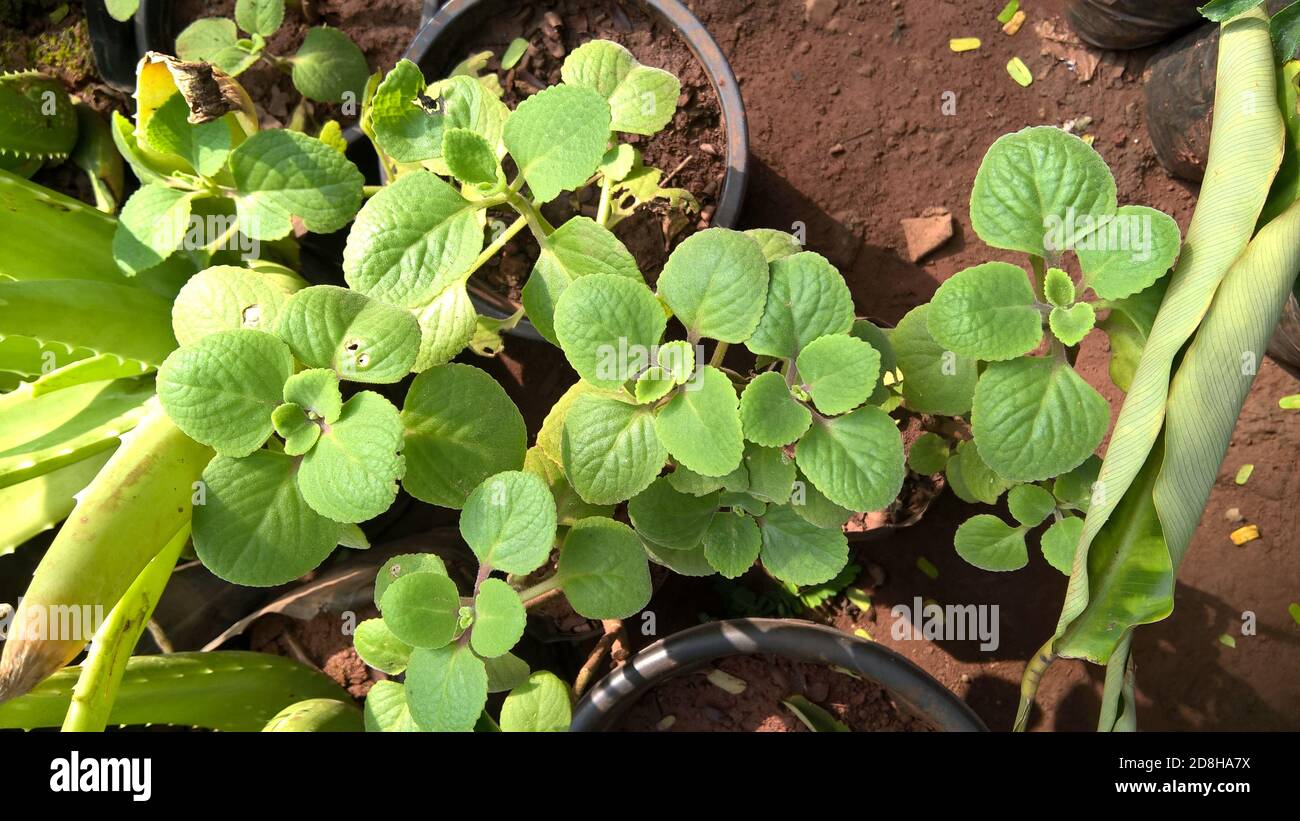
528,594
369,191
536,222
602,210
719,353
497,244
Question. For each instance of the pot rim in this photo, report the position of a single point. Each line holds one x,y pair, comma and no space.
795,639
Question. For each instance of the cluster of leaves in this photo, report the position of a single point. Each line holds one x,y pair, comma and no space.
996,345
327,67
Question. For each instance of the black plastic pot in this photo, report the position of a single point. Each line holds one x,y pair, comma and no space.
604,705
113,44
437,49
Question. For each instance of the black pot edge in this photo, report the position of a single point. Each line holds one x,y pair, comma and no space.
731,197
799,640
112,43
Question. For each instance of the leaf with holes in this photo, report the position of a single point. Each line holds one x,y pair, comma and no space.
361,339
224,298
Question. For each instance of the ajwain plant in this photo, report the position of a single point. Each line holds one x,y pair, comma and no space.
997,344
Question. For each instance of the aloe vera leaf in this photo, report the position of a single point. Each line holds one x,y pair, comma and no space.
101,673
98,368
1118,704
317,715
97,156
38,504
41,434
121,521
128,322
30,358
31,127
232,690
1245,153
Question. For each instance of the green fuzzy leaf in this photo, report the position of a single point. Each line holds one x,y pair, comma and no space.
569,505
653,385
604,570
618,162
1071,325
505,672
935,380
670,518
700,426
577,248
499,619
775,244
806,298
259,16
540,705
731,544
769,414
610,450
811,505
1035,418
447,324
379,648
412,240
771,474
986,312
856,460
798,552
989,543
1030,504
446,688
716,283
362,339
214,40
225,298
1038,188
973,480
1060,541
329,66
928,454
557,138
642,99
317,391
402,565
254,528
351,474
1129,252
1058,288
205,147
281,174
221,390
461,428
386,710
514,53
840,372
509,522
403,129
300,433
151,227
690,482
1075,488
470,158
421,609
608,326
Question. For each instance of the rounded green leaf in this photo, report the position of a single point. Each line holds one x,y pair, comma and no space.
386,710
1060,542
505,672
205,146
461,428
973,480
539,705
609,449
509,522
351,474
224,298
671,519
1075,488
840,372
446,688
399,566
214,40
280,174
811,504
254,528
403,129
856,460
1037,191
1035,418
775,244
151,226
769,415
329,66
986,312
421,609
642,99
928,454
797,551
379,648
1058,288
771,474
700,426
604,570
315,390
411,241
469,157
557,138
806,298
935,380
259,16
221,390
1030,504
731,544
989,543
300,433
608,327
653,385
499,619
1071,325
716,284
361,339
1129,252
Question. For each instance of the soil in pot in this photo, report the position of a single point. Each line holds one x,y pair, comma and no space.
704,701
689,150
383,29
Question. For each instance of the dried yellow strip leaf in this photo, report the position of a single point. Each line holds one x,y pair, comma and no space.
1241,535
1013,25
961,44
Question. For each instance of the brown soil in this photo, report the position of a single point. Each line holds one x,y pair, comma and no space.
319,643
691,703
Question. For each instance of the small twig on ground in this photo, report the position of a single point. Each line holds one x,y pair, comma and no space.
613,643
673,173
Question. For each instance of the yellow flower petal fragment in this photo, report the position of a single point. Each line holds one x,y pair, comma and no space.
961,44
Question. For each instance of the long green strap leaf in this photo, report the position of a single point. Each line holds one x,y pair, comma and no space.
38,504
